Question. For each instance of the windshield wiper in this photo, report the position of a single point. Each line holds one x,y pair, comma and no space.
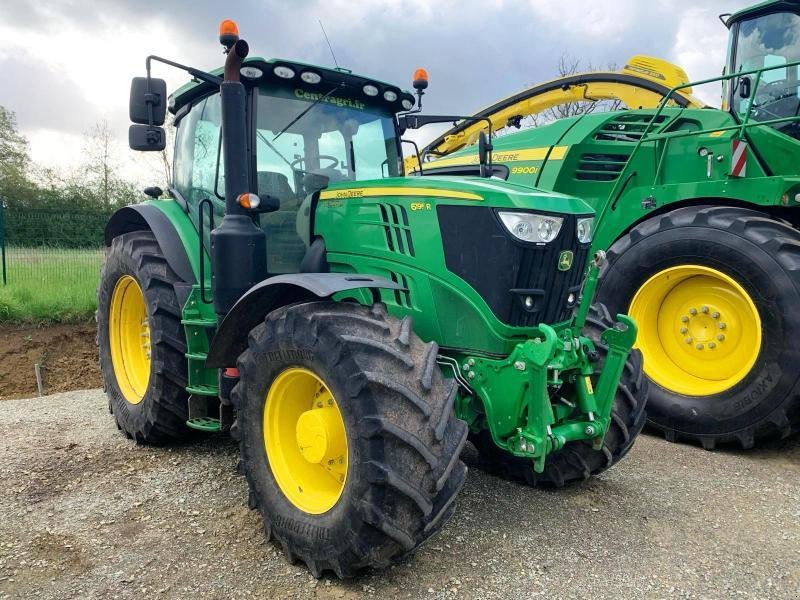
264,139
302,114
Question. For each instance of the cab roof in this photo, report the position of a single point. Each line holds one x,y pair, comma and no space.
762,8
343,77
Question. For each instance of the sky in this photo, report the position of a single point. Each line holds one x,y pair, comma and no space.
66,64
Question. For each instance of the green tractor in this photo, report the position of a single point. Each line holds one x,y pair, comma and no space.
350,326
701,210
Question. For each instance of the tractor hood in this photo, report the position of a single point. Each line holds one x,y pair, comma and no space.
488,192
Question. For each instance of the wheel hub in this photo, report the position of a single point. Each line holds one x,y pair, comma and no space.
313,434
305,440
129,339
699,330
703,329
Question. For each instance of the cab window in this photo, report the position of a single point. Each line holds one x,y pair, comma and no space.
769,41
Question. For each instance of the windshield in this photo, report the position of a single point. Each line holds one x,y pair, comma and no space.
770,41
306,140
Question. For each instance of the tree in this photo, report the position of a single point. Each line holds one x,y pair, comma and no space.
99,164
105,185
568,65
15,185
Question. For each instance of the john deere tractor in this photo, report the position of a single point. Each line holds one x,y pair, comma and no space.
701,215
348,325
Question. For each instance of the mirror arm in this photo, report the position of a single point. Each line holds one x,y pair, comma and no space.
416,149
196,73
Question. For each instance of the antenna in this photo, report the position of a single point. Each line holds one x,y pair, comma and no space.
329,43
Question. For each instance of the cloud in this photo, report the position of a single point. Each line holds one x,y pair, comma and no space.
67,63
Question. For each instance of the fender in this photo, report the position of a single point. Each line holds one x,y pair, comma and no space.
172,228
264,297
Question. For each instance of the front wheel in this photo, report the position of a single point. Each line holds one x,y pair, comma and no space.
347,435
715,292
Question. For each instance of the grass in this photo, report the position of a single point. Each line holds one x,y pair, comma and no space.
47,285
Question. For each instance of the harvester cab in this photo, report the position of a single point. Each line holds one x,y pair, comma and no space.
699,211
351,326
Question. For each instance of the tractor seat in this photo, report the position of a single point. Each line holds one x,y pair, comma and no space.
275,184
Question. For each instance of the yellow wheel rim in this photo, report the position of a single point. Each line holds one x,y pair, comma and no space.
129,337
305,440
699,330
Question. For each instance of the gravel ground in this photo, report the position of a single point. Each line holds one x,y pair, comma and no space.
86,513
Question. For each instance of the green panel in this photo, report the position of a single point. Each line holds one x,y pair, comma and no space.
444,307
186,232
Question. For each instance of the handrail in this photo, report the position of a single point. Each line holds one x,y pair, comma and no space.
745,124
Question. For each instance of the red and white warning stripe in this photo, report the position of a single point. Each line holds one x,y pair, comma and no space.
738,158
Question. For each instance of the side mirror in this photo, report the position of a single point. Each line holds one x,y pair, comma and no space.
484,154
145,138
744,87
141,100
154,192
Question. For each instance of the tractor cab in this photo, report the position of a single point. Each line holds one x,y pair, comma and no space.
309,128
765,37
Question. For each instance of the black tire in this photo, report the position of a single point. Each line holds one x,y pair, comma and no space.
404,468
161,415
763,256
577,461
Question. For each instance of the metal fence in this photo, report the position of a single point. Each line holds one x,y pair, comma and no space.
50,249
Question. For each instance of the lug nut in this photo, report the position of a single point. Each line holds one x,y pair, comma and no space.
704,309
684,319
711,345
689,340
684,330
715,314
692,311
471,375
699,346
722,326
721,337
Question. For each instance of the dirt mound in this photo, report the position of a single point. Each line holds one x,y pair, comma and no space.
66,353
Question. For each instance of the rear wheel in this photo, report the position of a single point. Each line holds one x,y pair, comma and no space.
347,435
715,292
141,341
578,461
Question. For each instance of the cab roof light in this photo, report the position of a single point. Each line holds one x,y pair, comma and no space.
228,33
420,79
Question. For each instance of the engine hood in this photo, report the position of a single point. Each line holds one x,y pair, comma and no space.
488,192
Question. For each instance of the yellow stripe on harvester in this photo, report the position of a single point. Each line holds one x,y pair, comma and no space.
555,153
395,191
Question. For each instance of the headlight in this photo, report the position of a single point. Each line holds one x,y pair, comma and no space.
370,90
585,230
530,227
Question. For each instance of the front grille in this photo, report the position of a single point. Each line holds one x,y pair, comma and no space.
504,271
394,219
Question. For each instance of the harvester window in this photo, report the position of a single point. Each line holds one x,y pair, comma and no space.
768,42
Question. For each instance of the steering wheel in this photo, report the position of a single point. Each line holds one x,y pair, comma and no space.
775,99
297,162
